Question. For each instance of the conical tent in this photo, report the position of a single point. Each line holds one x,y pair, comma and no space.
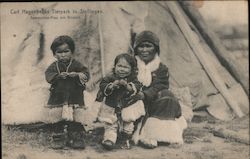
101,31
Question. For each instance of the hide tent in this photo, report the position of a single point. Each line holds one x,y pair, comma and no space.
101,31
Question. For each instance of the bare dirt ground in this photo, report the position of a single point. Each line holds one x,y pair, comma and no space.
200,143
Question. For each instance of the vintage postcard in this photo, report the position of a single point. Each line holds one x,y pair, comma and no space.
133,79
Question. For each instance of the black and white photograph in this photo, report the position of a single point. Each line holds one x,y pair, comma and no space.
125,80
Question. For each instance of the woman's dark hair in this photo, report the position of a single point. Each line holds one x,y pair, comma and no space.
60,40
147,36
131,61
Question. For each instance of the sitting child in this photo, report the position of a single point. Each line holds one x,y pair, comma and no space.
67,78
116,113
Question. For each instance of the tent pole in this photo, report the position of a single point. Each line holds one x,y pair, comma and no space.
101,43
214,42
198,50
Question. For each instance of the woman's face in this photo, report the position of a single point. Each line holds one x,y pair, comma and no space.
146,51
122,68
63,53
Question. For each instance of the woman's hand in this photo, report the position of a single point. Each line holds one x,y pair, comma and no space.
139,96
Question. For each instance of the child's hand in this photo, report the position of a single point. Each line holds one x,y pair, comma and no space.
123,82
73,74
84,77
116,84
63,75
129,88
110,88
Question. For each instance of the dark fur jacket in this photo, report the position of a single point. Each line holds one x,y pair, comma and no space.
118,97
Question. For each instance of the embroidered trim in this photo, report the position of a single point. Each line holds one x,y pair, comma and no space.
57,67
105,89
67,69
133,87
69,65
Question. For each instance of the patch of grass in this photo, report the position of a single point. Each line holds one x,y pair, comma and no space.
41,136
16,136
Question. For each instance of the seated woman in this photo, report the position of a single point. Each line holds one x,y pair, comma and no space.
163,121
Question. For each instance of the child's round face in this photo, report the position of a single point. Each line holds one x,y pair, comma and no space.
122,68
63,53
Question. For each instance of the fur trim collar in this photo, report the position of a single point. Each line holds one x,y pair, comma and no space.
145,70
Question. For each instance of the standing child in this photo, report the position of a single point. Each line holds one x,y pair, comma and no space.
67,78
116,113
